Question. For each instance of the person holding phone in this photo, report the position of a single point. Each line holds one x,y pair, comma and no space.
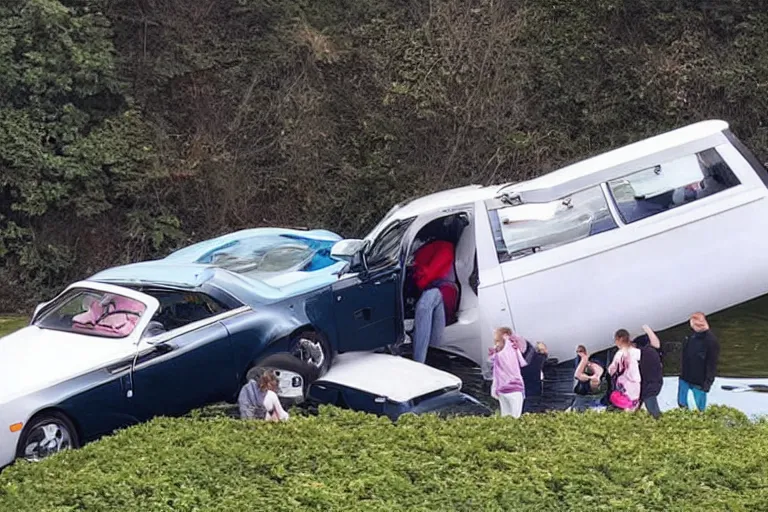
507,359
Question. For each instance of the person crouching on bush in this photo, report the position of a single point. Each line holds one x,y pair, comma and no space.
507,359
625,372
259,401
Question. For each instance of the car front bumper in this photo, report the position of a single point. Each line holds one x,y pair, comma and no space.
8,441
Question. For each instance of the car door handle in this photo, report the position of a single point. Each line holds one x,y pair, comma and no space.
363,314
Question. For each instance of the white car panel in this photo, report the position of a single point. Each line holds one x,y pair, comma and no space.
394,377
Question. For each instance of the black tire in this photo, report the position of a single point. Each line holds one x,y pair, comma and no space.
308,353
66,437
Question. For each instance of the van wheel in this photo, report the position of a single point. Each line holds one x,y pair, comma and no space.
46,435
312,348
294,376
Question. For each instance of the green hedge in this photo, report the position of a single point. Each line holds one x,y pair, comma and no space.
349,461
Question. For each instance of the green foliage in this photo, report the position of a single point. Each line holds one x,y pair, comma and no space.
72,150
9,324
129,127
350,461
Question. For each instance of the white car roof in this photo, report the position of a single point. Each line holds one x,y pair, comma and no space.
619,162
578,176
394,377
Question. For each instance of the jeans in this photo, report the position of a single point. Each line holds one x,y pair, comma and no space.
429,324
652,404
699,395
582,403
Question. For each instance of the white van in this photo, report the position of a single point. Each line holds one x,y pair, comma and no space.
647,233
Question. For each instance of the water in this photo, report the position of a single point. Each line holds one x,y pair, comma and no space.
743,335
741,330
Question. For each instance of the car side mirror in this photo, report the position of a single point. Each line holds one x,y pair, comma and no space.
349,251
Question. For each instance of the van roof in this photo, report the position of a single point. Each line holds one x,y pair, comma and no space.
620,162
576,177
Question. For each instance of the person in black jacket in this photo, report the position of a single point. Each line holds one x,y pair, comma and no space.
700,354
651,370
535,356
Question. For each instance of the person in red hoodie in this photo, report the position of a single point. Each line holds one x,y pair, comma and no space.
434,276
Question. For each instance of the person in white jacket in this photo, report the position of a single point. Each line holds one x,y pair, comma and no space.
259,401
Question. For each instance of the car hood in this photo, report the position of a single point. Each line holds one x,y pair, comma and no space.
32,359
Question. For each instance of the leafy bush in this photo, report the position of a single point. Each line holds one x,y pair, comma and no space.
350,461
130,127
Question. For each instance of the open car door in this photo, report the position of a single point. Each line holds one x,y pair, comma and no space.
368,304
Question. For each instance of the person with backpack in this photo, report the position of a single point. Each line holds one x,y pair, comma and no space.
651,370
625,372
698,361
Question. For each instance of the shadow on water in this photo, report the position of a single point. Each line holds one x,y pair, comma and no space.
742,331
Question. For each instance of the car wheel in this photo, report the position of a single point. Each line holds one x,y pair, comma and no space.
312,348
294,376
46,435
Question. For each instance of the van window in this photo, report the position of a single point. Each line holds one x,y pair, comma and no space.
672,184
526,229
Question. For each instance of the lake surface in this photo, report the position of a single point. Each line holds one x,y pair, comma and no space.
743,334
742,331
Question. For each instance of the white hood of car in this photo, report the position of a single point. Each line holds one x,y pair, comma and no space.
33,359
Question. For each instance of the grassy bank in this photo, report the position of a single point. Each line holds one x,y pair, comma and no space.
8,324
349,461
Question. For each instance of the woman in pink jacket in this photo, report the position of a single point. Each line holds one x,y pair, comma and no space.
507,359
625,370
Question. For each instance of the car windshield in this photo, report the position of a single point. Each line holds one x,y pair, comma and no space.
271,254
94,313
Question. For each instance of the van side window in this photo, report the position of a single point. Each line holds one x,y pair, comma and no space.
672,184
533,227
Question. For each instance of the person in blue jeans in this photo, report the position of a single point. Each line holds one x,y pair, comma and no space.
434,275
700,354
429,323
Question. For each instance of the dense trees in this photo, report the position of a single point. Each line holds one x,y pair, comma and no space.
128,127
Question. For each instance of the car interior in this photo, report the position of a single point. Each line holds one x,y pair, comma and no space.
453,229
179,308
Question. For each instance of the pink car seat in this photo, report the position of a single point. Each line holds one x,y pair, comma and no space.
118,323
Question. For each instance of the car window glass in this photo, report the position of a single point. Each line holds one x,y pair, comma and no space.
178,309
266,254
669,185
284,258
526,229
94,313
385,250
